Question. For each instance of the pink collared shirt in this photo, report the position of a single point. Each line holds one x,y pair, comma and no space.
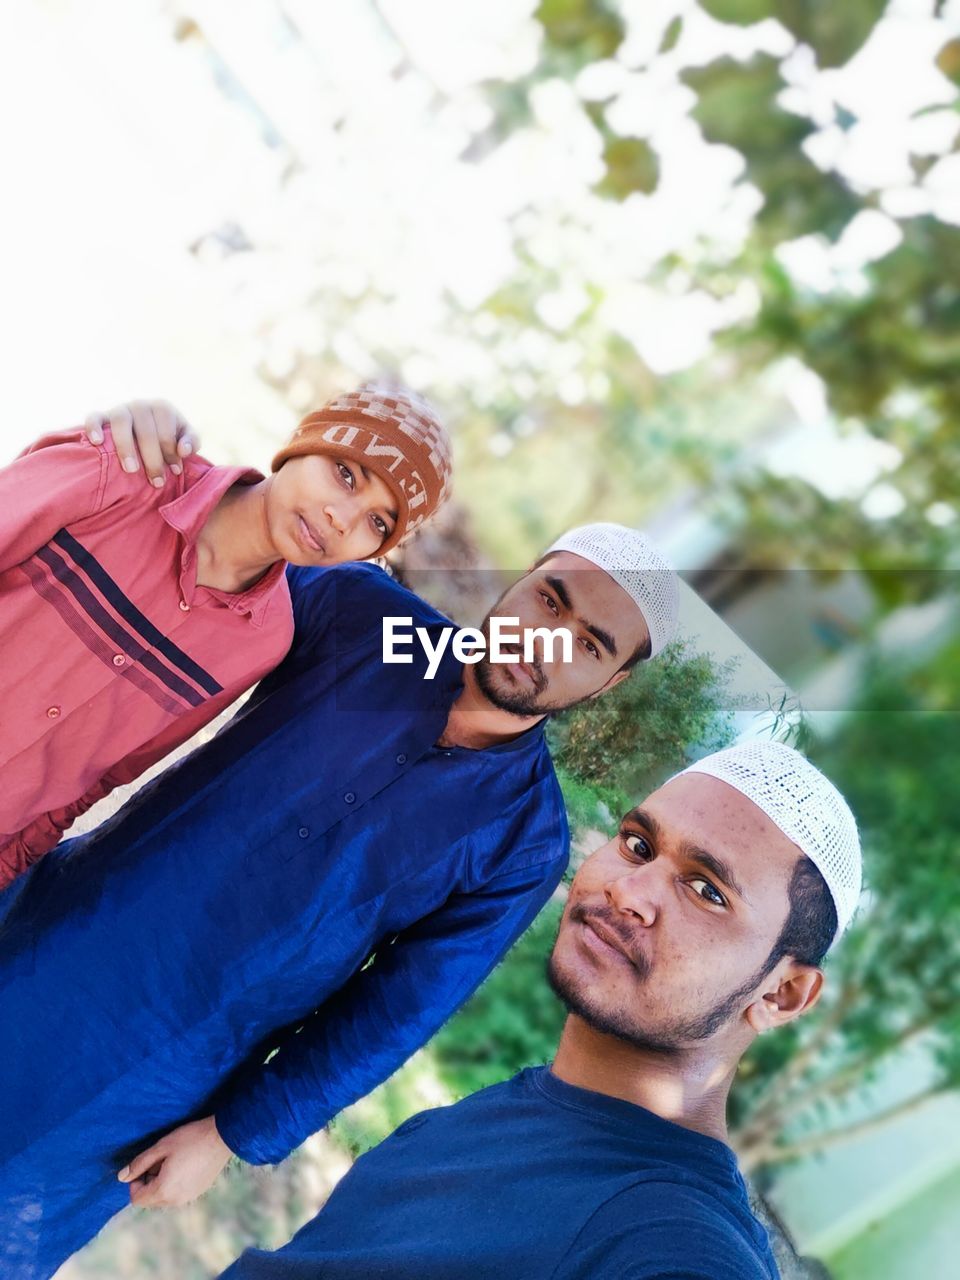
111,655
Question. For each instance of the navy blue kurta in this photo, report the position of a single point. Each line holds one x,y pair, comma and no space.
148,969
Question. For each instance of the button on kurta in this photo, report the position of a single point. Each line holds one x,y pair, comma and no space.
53,712
401,758
118,659
349,797
184,606
303,832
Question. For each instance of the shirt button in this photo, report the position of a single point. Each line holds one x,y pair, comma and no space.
118,659
53,712
184,606
303,832
349,797
401,758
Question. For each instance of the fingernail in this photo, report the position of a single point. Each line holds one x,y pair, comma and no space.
176,468
124,1174
157,482
184,448
96,435
130,464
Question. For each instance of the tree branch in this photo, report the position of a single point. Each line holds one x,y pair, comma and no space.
771,1098
751,1157
832,1086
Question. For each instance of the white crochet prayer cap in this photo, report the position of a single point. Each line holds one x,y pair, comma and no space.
804,804
637,565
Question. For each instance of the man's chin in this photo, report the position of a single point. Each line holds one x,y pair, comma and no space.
507,695
609,1021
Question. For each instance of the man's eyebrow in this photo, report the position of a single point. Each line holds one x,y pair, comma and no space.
639,817
605,638
560,587
366,475
717,865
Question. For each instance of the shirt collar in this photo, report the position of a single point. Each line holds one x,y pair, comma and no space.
188,514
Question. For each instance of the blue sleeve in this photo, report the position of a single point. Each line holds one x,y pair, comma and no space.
313,594
324,596
665,1231
386,1011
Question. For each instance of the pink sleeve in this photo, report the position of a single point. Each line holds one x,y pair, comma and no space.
57,480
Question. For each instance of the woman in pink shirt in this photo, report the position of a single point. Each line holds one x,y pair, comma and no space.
131,616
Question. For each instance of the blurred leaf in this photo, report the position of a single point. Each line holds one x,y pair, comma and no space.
632,165
671,35
741,12
948,61
591,29
834,31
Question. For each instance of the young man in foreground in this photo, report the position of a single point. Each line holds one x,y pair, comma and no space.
700,926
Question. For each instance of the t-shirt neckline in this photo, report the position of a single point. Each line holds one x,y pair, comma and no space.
626,1116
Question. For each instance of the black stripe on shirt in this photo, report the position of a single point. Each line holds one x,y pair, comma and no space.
129,611
131,645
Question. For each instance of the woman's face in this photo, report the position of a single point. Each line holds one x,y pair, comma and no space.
325,510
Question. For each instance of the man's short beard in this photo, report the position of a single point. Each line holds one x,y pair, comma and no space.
518,701
671,1041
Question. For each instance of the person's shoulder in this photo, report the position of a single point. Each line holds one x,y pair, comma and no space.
365,586
70,462
69,447
665,1227
501,1097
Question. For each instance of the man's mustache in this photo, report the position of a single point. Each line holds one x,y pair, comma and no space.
540,680
582,913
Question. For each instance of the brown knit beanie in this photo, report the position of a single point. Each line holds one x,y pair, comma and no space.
391,431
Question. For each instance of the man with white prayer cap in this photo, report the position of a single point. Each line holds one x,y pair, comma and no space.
699,926
269,929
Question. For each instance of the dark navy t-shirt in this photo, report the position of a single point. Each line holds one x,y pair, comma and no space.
532,1179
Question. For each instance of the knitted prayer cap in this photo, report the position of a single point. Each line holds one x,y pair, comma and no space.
391,431
804,804
637,565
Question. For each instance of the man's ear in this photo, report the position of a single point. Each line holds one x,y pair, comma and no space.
786,997
614,680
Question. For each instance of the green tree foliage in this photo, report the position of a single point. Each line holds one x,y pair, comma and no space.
646,728
887,350
890,358
586,30
512,1022
895,979
737,107
835,31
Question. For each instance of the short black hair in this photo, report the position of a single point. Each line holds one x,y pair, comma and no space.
640,654
811,924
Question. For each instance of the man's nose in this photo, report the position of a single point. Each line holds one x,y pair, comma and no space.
637,893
